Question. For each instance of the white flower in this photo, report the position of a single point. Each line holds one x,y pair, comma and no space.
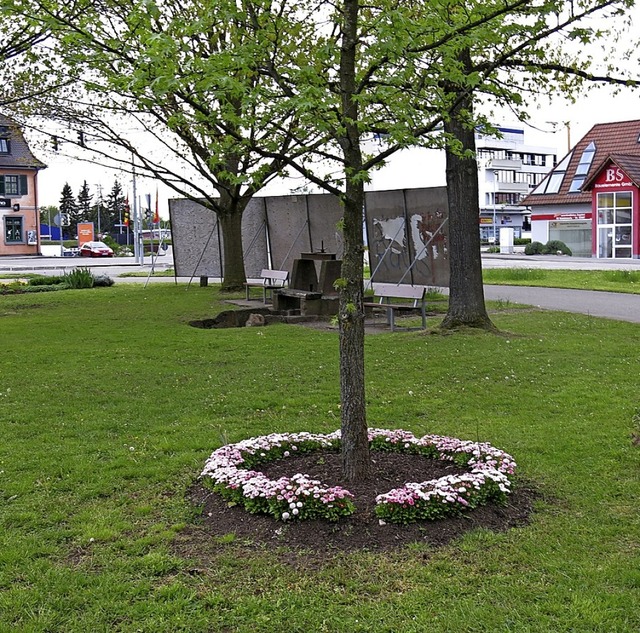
486,464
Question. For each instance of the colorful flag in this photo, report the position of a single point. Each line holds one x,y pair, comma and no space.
156,215
127,211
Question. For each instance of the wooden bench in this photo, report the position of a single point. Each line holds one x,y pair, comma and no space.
269,280
387,296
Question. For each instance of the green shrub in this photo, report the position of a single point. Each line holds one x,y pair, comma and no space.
44,280
78,278
48,288
12,287
552,247
521,241
534,248
110,242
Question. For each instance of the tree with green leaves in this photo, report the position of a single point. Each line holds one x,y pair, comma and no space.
17,39
412,73
29,69
340,73
173,90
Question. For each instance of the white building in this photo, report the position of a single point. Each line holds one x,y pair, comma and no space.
508,170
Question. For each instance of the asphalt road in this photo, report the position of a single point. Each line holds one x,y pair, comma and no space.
624,307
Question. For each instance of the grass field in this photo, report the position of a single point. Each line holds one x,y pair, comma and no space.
110,403
608,280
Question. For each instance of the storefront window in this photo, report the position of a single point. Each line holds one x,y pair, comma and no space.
605,216
575,234
623,216
615,224
12,229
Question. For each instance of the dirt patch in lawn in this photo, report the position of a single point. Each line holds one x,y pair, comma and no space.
223,524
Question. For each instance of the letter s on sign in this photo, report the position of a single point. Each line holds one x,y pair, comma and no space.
614,175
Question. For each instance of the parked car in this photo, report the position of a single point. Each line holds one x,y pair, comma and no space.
95,249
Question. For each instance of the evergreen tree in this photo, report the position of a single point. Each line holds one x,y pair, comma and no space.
98,214
69,207
84,203
115,208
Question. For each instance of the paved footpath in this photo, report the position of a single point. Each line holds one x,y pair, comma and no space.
611,305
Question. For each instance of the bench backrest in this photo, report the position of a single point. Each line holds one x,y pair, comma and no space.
399,291
275,277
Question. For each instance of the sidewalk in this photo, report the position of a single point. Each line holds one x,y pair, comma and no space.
609,305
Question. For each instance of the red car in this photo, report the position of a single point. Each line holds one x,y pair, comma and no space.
95,249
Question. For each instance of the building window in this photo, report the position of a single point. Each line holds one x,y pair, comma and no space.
10,185
512,199
583,167
13,186
5,143
12,229
553,182
615,224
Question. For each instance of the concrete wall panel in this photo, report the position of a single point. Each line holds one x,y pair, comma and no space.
387,236
408,237
289,231
197,239
196,246
254,238
428,214
325,212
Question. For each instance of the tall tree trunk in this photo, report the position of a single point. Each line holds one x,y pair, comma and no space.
234,275
355,443
466,292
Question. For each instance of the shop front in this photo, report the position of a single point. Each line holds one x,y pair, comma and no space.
572,228
615,204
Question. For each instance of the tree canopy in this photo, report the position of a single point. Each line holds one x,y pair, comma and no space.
175,88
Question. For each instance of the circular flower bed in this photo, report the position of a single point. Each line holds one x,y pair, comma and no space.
231,470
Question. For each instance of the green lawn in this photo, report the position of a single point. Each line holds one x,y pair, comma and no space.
110,403
608,280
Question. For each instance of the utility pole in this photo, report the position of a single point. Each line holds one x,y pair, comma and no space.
99,207
136,224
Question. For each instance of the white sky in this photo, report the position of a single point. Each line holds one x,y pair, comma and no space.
597,106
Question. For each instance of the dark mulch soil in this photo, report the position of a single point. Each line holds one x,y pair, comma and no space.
362,530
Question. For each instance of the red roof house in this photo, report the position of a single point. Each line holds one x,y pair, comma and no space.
19,217
566,203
